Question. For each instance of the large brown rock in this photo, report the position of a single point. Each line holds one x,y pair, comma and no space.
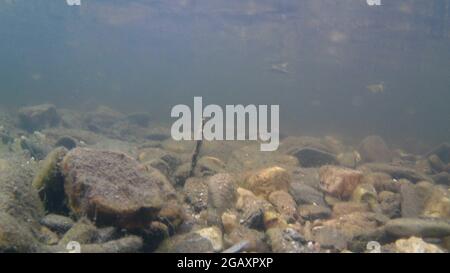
339,182
112,188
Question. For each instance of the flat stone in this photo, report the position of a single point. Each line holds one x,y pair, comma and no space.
304,194
407,227
397,172
312,157
57,223
313,212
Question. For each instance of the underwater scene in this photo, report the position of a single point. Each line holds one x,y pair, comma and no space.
225,126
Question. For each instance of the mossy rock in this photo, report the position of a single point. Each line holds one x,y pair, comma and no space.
50,182
15,237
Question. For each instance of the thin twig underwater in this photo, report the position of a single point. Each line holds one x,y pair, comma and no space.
196,151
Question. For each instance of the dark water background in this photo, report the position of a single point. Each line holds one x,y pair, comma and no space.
139,55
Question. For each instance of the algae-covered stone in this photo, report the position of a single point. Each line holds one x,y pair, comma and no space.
83,232
128,244
252,209
304,194
406,227
255,240
313,212
390,203
186,243
437,204
330,237
311,157
339,182
416,245
57,223
273,219
208,166
221,195
196,192
268,180
15,237
111,188
214,235
397,172
284,204
20,208
50,183
366,193
285,240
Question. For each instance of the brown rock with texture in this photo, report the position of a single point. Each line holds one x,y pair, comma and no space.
111,188
284,203
339,182
269,180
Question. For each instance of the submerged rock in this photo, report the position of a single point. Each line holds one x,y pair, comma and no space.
50,183
254,240
390,204
83,232
213,235
338,181
58,223
141,119
397,172
286,240
35,146
111,188
349,159
437,204
313,212
416,245
381,182
304,194
442,178
15,236
67,142
191,242
407,227
284,204
344,208
128,244
311,157
374,149
265,181
196,193
208,166
221,196
442,151
102,120
252,209
330,237
38,117
412,199
20,208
